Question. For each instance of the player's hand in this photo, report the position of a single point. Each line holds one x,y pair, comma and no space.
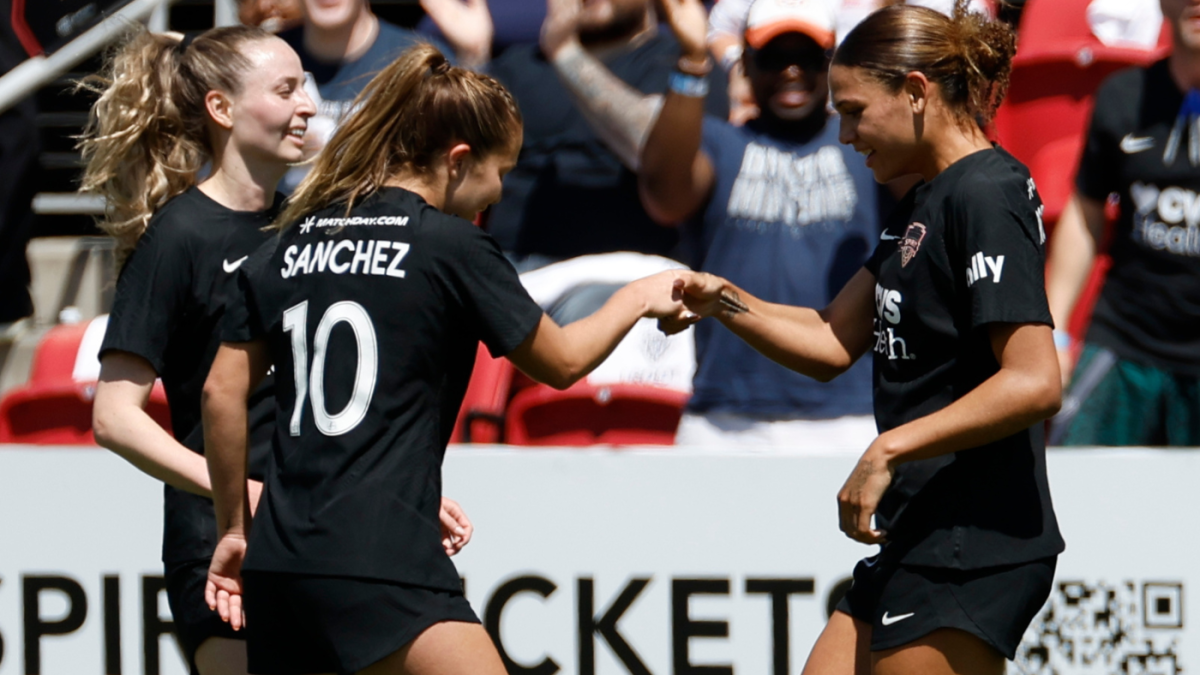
689,21
702,293
467,25
859,497
456,527
223,591
561,26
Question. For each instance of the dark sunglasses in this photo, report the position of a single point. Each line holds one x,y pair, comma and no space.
775,60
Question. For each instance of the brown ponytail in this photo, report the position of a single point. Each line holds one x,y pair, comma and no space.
967,54
410,112
146,136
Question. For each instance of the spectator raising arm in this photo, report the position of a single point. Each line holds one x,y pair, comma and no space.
1073,249
619,114
676,177
467,26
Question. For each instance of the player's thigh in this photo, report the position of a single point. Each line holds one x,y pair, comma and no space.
221,656
946,651
445,648
843,648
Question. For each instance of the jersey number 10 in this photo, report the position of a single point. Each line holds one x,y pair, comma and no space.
295,321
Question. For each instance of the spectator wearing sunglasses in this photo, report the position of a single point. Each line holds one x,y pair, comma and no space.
777,205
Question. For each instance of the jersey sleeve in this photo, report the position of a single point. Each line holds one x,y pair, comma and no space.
1098,169
151,296
497,306
999,253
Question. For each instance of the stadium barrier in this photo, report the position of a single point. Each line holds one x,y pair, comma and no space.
589,561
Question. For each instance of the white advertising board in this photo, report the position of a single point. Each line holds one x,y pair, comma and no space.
601,562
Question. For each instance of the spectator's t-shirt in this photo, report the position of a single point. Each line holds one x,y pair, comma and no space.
1149,308
372,322
790,223
963,251
171,296
569,195
338,83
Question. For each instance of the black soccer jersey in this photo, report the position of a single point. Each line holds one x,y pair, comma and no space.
961,252
372,321
170,297
1149,308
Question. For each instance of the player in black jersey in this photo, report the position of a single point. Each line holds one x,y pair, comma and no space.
952,307
1138,378
370,305
232,97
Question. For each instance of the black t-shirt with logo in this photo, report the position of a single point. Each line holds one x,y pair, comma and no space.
372,321
1149,308
961,252
170,298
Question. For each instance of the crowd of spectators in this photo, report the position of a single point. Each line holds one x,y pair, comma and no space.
744,178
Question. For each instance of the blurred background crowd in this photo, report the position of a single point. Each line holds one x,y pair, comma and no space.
611,186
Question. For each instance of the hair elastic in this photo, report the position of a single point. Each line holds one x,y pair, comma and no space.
188,39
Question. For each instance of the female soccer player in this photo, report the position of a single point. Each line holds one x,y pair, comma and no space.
370,305
233,97
953,308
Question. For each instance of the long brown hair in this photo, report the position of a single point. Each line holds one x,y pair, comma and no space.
147,136
967,54
408,114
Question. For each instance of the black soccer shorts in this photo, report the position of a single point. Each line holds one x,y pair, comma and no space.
299,624
903,603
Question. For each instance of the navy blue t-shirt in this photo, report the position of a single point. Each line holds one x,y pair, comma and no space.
790,223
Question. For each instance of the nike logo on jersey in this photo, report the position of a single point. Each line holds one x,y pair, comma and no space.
884,236
231,267
1134,144
889,620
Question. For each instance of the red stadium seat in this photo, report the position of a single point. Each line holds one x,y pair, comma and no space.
54,407
481,417
586,414
1057,69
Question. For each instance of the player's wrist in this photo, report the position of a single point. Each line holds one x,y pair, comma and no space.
1063,340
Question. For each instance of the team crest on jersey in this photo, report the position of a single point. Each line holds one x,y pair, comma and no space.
910,243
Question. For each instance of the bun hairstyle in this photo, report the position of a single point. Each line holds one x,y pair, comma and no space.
405,117
147,134
967,54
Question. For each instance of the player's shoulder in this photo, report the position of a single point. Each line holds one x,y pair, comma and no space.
1123,94
993,177
189,218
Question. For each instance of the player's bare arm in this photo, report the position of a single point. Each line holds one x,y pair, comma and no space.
819,343
562,355
121,424
1026,390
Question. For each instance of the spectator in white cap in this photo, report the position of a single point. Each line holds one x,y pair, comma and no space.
777,204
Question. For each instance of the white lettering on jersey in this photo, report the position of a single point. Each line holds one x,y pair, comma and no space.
354,221
980,267
1041,210
887,304
776,186
1167,219
887,308
371,257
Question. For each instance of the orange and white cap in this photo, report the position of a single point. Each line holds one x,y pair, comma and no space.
769,19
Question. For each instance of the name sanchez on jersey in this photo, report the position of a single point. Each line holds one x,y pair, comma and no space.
375,257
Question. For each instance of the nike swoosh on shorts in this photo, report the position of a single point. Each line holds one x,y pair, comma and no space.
889,620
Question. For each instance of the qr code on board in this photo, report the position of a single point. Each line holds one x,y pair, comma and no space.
1123,628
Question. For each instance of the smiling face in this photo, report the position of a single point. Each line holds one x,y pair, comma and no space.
878,122
788,76
270,113
480,181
